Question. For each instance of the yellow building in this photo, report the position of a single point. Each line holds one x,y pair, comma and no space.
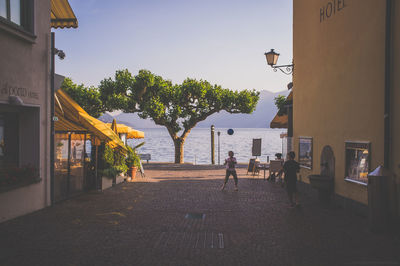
345,86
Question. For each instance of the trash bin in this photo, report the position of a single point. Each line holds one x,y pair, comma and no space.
378,200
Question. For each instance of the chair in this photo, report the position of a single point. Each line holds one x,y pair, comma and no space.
275,167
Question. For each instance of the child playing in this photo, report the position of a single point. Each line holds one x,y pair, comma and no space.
230,170
291,168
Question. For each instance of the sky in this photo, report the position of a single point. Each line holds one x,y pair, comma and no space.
221,41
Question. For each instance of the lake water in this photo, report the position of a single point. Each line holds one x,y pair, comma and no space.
197,148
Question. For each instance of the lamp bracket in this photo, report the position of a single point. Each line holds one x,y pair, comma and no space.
286,69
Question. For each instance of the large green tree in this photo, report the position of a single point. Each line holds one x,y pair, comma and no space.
87,97
178,107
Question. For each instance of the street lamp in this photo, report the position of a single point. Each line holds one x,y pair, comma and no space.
272,59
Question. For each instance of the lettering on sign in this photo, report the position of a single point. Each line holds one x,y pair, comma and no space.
330,9
9,90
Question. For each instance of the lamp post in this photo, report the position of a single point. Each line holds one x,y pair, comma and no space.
219,158
272,59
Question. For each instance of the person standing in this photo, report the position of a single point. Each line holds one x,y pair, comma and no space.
230,163
291,168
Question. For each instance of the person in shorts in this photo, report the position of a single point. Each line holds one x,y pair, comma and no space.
230,163
291,168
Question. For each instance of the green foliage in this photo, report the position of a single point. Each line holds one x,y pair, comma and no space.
108,156
87,97
119,162
280,102
132,159
111,162
178,107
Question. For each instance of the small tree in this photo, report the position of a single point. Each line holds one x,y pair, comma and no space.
280,102
87,97
178,107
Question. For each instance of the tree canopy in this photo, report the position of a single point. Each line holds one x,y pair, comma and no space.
87,97
178,107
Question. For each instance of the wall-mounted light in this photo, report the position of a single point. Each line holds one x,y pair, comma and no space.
272,59
59,53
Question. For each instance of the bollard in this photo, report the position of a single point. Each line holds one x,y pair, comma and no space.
212,145
378,203
219,157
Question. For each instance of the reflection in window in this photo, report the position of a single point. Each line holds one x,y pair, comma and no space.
357,161
20,12
15,11
1,138
3,8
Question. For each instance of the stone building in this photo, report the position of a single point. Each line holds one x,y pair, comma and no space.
25,102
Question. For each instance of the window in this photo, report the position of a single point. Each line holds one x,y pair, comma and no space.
305,152
9,139
357,161
19,12
1,140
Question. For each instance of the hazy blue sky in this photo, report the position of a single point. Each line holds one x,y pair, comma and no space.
217,40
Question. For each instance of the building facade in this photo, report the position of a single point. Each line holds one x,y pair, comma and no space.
345,65
25,103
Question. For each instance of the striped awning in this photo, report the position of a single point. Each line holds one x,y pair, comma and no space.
279,121
72,118
62,15
130,132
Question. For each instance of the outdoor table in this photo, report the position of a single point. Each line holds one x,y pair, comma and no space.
263,166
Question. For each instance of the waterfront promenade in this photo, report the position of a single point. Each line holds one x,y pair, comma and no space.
178,216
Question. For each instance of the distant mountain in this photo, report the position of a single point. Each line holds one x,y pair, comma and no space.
260,118
106,118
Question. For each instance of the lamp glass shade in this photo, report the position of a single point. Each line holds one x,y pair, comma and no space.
272,57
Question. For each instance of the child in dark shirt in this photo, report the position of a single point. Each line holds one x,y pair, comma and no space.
291,168
230,163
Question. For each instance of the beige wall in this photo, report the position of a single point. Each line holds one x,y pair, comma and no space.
339,82
26,65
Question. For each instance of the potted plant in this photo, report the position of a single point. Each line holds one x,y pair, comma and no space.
106,163
120,167
132,162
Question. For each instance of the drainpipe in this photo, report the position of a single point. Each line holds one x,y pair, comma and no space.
52,90
388,47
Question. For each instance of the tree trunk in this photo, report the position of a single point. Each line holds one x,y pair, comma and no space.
178,142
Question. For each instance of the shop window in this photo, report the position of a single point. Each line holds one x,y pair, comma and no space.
1,140
305,152
19,146
9,144
357,161
19,12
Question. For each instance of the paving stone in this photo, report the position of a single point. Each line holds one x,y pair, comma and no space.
145,223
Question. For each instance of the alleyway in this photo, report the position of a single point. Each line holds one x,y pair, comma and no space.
180,217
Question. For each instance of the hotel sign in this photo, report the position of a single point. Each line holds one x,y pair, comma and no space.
9,90
330,9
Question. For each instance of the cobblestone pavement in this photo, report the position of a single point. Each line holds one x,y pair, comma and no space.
180,217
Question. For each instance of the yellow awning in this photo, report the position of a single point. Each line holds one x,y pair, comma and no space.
62,15
73,118
130,132
279,121
101,130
